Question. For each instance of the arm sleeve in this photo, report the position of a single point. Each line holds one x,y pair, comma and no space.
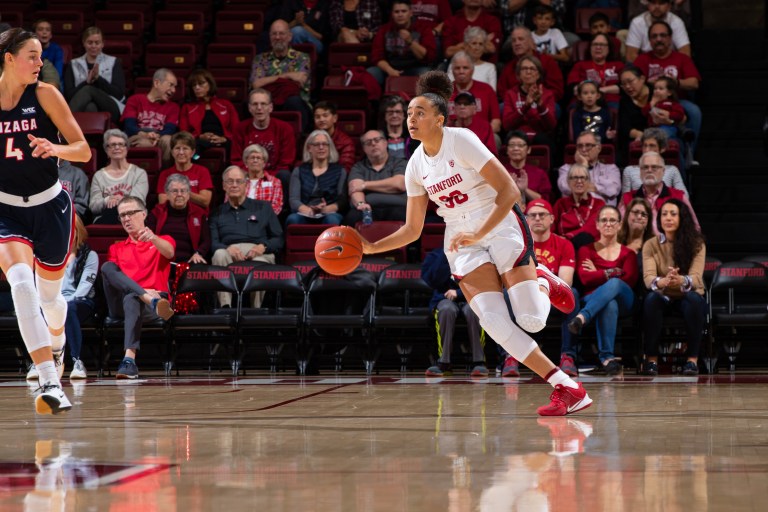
97,198
216,242
696,271
88,277
413,187
650,272
205,238
69,82
184,124
141,184
115,87
629,266
81,193
277,196
676,179
635,35
274,232
513,117
562,179
295,190
377,50
171,125
679,33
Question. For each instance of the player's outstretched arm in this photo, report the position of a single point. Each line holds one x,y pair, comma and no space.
76,149
416,209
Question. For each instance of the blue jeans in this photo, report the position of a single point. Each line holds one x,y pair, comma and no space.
693,308
330,218
693,113
301,35
78,311
610,300
568,345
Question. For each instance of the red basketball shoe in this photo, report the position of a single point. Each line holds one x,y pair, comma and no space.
560,294
565,400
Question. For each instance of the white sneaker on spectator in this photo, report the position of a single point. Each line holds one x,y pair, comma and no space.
78,371
32,372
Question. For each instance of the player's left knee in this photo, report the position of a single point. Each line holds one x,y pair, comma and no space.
530,305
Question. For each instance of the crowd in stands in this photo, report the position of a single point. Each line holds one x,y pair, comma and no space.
525,77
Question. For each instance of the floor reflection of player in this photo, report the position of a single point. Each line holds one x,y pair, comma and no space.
36,214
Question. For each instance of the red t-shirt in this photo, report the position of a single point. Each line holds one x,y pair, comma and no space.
198,175
149,115
142,262
277,138
556,252
485,101
431,11
676,65
454,27
604,75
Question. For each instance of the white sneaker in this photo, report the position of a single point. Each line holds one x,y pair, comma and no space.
58,361
78,371
52,400
32,372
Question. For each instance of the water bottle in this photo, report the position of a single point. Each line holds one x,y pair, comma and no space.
367,217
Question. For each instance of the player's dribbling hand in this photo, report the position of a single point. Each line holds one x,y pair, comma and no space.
367,246
462,239
41,148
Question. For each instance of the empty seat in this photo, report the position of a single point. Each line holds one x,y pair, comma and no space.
149,159
238,27
123,25
342,55
397,84
230,59
67,25
180,27
178,57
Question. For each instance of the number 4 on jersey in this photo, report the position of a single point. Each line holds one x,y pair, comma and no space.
12,152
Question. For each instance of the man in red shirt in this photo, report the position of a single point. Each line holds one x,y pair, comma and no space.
326,117
466,117
558,255
473,14
136,279
524,46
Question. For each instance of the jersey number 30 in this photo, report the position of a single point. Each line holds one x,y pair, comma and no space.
454,198
12,152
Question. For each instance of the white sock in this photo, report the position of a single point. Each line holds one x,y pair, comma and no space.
47,373
560,377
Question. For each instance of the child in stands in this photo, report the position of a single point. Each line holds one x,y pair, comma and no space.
590,114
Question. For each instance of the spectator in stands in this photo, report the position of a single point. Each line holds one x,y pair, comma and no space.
557,254
655,141
74,181
94,82
354,21
654,190
465,116
664,111
77,289
392,123
377,182
326,116
636,227
274,135
262,186
605,179
317,193
473,14
576,213
51,51
549,39
529,106
210,119
447,305
285,73
600,23
243,229
638,39
118,179
182,220
663,60
608,272
602,68
433,12
590,114
532,181
200,183
462,72
308,21
524,46
151,119
49,75
673,268
403,46
635,96
136,279
474,45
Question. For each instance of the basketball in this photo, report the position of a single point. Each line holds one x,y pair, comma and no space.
339,250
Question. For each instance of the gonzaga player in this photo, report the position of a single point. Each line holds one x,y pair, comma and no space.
487,240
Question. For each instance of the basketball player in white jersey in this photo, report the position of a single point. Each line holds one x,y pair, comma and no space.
488,243
36,214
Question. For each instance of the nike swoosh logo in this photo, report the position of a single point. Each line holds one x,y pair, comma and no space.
65,209
338,248
425,177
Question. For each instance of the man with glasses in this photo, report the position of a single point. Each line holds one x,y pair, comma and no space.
658,10
326,117
523,45
377,182
136,279
654,190
151,119
653,140
243,229
465,116
605,179
558,255
486,104
532,181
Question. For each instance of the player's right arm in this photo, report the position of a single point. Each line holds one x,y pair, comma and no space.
53,103
415,210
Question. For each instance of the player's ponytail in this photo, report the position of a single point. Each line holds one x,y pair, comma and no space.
12,40
437,88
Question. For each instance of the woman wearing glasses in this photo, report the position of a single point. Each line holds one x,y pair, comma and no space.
487,241
118,179
576,213
36,214
602,68
608,271
317,185
530,106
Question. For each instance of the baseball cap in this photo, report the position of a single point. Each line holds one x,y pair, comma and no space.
465,95
541,203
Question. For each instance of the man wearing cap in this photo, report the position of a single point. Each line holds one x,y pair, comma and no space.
485,97
465,108
558,255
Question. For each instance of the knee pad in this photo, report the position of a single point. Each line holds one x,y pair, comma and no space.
52,302
494,317
27,305
530,305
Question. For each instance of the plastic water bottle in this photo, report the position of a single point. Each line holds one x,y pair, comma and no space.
367,217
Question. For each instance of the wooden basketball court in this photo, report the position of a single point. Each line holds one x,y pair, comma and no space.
387,443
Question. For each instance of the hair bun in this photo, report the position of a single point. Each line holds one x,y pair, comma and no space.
435,82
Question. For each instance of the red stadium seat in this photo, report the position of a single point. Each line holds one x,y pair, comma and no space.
234,89
238,27
146,7
179,57
127,25
230,59
93,125
180,27
615,15
539,156
431,237
300,241
149,159
67,25
342,55
397,84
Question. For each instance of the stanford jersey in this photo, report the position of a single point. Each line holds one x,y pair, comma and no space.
452,178
20,173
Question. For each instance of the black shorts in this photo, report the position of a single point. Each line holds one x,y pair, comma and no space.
46,228
529,253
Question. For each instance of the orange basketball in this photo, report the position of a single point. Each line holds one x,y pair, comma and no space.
339,250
